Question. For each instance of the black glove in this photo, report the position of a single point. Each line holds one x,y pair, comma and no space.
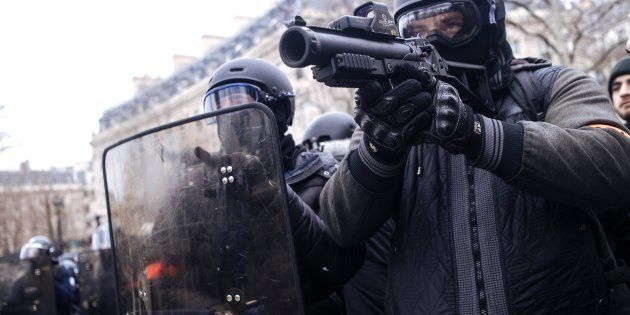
391,119
455,127
244,176
490,144
255,180
421,109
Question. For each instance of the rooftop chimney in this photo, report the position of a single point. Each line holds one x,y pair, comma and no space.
25,166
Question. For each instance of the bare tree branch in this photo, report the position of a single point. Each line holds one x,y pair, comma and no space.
579,32
576,42
576,33
601,12
536,35
530,12
605,54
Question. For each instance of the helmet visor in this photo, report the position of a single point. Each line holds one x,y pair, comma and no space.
451,23
230,95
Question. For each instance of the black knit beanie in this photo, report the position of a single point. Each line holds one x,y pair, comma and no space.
622,67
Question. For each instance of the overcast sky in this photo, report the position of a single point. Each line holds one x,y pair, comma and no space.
62,63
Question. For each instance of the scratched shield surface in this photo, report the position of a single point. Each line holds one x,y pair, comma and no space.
198,214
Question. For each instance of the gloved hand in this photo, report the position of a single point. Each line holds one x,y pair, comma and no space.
421,109
391,119
243,176
254,179
489,144
454,124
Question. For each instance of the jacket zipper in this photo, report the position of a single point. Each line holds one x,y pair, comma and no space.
474,238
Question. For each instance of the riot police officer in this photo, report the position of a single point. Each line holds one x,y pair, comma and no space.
42,253
324,265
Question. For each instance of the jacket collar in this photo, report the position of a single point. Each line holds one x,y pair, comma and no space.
308,163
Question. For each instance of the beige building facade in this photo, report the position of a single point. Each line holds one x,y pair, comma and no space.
39,202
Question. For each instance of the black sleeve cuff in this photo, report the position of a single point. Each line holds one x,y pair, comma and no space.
373,171
501,147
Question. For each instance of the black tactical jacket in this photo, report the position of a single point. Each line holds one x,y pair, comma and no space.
470,242
324,266
308,172
364,293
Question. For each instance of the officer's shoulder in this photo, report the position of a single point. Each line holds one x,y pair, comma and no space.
309,163
327,164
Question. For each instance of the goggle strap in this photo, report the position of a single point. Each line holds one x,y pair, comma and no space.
491,9
496,11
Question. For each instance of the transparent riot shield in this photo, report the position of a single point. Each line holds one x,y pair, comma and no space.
27,287
97,282
198,214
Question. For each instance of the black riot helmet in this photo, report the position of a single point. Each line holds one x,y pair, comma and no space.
330,126
331,133
464,31
247,80
38,246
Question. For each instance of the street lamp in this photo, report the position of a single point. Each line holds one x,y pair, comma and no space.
58,203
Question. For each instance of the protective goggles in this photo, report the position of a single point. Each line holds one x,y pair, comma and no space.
238,94
450,23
